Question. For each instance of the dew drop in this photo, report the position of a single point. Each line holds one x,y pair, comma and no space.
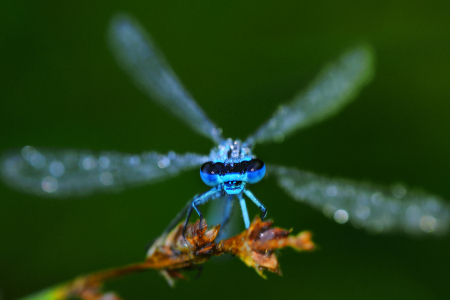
104,162
37,160
163,161
133,160
27,152
332,191
428,224
216,131
362,212
89,163
341,216
413,214
49,184
377,198
172,155
56,168
106,178
432,206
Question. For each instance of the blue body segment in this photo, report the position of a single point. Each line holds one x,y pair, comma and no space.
231,168
244,211
257,175
208,179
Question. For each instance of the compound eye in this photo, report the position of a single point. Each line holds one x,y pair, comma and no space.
209,168
255,170
254,165
209,174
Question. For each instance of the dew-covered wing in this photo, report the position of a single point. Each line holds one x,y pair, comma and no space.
138,55
63,173
337,84
377,209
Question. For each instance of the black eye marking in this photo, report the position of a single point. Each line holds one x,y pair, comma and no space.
220,167
214,168
209,168
255,165
243,167
236,168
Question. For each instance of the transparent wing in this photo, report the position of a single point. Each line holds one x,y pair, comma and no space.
366,205
337,84
137,54
62,173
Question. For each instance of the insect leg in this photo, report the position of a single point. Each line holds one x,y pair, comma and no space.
256,201
188,215
244,211
199,200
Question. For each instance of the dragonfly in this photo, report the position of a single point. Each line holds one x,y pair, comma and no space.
231,167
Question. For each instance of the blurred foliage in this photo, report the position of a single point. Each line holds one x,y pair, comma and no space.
240,60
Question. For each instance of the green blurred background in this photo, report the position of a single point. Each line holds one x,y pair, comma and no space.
60,87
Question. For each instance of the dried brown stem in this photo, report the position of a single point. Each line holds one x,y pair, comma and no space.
171,253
